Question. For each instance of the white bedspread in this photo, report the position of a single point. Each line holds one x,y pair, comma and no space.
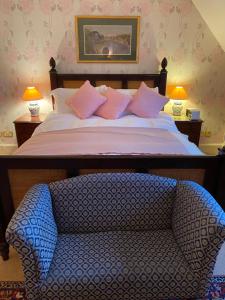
60,131
56,121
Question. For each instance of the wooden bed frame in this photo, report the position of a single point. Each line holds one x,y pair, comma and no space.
119,81
18,173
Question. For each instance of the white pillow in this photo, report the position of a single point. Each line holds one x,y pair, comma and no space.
131,92
62,94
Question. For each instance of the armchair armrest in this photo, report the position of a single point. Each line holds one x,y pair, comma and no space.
198,224
33,233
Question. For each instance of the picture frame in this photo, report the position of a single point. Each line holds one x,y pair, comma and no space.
107,39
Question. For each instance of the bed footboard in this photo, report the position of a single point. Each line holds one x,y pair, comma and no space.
19,173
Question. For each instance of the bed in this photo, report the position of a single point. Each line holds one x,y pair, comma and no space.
36,161
63,133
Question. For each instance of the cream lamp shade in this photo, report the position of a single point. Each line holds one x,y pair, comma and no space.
178,94
32,94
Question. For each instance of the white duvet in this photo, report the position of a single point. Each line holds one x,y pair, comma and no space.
57,121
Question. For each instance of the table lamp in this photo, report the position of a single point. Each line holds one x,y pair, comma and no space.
32,95
178,94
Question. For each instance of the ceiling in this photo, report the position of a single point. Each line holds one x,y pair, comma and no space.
213,13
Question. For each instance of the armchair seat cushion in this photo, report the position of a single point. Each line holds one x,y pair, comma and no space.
118,265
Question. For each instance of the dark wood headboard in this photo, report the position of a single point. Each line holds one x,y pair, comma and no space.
117,81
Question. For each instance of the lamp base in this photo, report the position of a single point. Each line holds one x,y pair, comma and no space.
177,108
34,109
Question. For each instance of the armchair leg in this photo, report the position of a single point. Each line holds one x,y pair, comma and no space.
4,246
4,250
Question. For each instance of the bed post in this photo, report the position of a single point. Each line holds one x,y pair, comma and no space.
53,78
163,77
53,74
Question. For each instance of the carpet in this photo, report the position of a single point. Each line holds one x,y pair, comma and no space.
14,290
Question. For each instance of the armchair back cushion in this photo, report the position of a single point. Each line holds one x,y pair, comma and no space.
105,202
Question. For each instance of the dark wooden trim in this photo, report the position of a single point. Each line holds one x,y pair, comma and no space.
105,161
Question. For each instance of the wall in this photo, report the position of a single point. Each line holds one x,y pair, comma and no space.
213,14
31,31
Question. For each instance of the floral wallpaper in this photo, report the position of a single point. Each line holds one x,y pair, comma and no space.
31,31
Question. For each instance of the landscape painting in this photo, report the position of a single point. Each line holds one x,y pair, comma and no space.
107,39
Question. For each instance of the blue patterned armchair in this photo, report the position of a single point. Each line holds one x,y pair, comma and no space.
117,237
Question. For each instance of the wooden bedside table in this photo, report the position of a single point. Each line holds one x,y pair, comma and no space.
25,126
190,128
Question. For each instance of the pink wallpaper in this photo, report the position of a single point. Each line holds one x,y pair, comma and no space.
33,30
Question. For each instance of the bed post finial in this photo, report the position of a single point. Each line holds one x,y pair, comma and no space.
164,64
53,74
163,77
52,64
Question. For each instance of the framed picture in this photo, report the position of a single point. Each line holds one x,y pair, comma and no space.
107,39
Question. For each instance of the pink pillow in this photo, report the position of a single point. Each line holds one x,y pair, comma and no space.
147,103
114,106
85,101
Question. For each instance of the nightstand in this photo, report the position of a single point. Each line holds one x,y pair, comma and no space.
25,126
192,128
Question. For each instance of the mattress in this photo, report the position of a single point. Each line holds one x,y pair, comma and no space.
65,134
